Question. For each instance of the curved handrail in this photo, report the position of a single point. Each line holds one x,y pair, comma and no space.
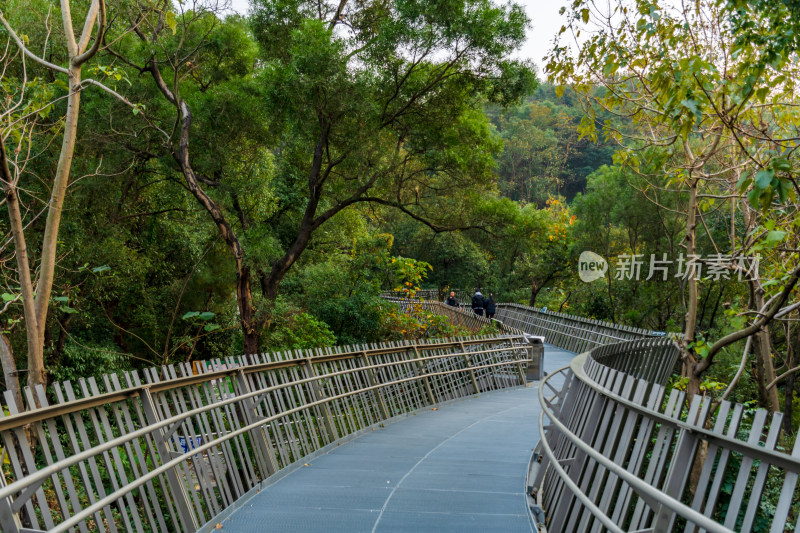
121,448
643,447
87,512
647,492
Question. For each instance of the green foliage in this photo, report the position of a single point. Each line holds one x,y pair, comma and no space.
409,274
543,154
342,288
418,324
81,360
299,330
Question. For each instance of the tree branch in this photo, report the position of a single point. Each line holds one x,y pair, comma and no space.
779,300
782,376
27,52
98,7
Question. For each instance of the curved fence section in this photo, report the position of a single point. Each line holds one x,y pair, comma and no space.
170,448
568,332
622,451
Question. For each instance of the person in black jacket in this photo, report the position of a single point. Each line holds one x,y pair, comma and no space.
491,308
478,303
451,300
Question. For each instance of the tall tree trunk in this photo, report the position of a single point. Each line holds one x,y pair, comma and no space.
534,293
761,382
766,367
35,348
716,308
244,298
181,154
36,370
690,319
10,369
310,220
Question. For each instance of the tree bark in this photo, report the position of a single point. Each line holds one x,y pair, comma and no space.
244,298
788,390
36,370
690,319
761,382
534,293
766,367
35,348
10,369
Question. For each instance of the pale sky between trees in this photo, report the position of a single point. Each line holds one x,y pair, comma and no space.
545,24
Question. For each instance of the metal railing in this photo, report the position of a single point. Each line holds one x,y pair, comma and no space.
171,448
568,332
433,295
622,452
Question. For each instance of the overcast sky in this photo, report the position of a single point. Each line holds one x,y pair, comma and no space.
543,14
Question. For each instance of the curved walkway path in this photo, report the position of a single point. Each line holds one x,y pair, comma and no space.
460,467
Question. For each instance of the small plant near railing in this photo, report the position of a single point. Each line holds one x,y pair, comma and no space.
488,330
708,387
418,323
409,274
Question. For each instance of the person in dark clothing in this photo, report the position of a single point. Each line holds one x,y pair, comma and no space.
451,300
478,303
491,308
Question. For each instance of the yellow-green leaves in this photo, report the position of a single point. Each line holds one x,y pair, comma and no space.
171,22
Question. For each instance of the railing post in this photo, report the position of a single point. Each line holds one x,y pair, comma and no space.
420,371
179,494
373,381
468,364
522,379
536,363
680,465
316,395
258,435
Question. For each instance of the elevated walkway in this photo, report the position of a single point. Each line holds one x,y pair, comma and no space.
428,436
459,467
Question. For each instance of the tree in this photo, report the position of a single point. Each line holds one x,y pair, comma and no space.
616,220
695,106
379,103
195,61
543,154
20,128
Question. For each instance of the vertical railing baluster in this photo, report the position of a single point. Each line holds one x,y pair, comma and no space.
177,487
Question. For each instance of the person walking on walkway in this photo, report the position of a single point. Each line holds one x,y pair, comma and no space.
491,308
478,302
451,300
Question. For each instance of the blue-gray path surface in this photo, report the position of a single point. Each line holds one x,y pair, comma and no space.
458,468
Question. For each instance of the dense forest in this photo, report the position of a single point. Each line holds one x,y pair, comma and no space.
183,183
